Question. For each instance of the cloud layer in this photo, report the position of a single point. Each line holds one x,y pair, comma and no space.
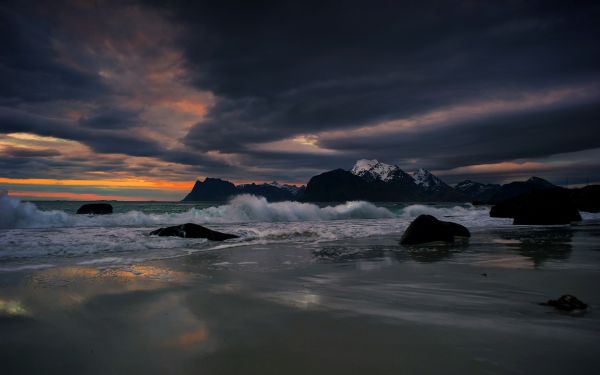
283,90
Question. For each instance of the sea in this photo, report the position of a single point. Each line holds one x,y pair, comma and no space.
307,288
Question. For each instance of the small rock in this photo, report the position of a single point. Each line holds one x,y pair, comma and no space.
95,209
567,302
190,230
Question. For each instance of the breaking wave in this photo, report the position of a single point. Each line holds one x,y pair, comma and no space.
242,208
17,214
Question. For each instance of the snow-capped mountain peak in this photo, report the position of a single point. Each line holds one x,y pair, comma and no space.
364,165
467,185
426,180
291,188
375,169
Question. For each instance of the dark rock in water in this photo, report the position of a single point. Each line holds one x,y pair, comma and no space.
547,207
95,209
539,207
457,229
507,209
191,230
587,198
567,302
427,228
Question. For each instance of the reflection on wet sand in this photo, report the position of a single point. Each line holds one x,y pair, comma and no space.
189,339
357,252
12,308
345,253
68,275
540,245
77,285
435,251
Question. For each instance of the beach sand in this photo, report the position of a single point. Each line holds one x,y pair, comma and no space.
339,307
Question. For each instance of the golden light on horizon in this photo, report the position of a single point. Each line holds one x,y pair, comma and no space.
122,183
75,196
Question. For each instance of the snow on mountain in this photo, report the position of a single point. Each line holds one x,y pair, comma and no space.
419,184
468,186
376,170
427,181
291,188
477,190
472,187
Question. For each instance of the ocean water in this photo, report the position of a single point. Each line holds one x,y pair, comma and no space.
306,289
49,233
45,234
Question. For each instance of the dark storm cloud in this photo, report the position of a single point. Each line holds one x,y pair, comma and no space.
111,118
105,141
566,174
15,166
30,69
491,140
21,152
285,68
280,69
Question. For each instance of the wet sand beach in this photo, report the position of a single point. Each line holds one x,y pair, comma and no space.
358,306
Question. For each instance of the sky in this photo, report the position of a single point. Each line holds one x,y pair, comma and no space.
135,100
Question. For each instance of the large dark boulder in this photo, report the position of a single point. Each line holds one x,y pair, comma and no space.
95,209
507,209
587,198
190,230
539,207
426,228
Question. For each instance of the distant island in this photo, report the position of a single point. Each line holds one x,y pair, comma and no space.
215,189
374,181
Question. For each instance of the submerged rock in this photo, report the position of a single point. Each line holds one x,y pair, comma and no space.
95,209
427,228
567,302
190,230
539,207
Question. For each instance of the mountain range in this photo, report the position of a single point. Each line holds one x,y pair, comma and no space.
368,180
375,181
215,189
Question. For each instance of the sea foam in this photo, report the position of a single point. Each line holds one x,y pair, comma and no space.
17,214
242,208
